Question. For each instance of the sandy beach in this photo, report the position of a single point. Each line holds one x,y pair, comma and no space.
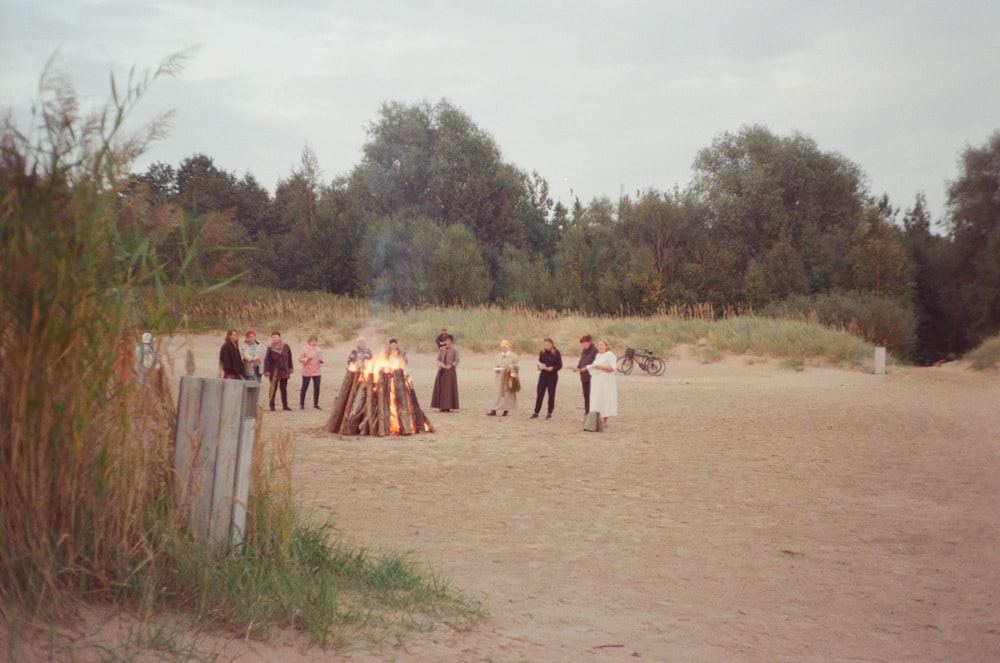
738,510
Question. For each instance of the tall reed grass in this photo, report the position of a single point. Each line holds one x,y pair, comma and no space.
83,472
245,307
986,356
480,329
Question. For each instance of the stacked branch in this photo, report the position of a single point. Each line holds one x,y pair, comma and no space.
378,404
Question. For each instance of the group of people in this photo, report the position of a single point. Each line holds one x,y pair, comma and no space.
596,367
252,361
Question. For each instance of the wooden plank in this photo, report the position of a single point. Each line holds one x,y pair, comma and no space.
244,456
196,450
226,450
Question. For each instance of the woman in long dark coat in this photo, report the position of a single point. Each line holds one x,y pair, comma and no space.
445,396
230,358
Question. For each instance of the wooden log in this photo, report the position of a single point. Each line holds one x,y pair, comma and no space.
369,406
339,403
411,406
350,400
355,413
383,404
402,402
422,423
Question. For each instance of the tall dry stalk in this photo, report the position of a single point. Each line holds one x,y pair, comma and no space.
82,472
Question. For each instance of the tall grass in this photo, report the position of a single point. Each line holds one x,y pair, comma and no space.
262,308
84,469
985,356
480,329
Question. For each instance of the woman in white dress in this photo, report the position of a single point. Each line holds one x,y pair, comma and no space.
603,387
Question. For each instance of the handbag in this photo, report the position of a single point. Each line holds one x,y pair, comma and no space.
513,381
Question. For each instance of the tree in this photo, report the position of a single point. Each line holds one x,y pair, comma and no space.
669,227
295,229
880,262
201,187
973,223
592,262
433,161
756,187
524,280
393,260
456,271
778,275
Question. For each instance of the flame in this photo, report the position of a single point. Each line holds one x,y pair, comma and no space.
381,364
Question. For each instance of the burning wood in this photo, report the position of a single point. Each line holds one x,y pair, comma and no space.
377,399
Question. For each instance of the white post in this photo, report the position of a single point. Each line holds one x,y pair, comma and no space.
879,361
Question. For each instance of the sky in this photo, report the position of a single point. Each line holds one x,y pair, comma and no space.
601,99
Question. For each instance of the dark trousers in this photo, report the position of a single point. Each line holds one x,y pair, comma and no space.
305,388
276,385
586,395
546,383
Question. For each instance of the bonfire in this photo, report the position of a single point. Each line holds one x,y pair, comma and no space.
377,398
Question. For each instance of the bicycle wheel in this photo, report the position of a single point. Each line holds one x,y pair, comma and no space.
656,366
625,365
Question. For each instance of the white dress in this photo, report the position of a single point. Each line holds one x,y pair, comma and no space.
603,387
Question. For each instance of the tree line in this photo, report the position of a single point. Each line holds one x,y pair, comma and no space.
433,214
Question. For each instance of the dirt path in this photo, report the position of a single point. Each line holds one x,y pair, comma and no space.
733,511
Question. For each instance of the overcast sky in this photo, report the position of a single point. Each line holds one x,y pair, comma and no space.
600,98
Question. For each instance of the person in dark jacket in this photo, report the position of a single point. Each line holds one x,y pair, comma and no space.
230,358
549,364
278,368
587,356
445,394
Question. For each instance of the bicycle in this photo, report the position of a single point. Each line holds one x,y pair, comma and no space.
646,360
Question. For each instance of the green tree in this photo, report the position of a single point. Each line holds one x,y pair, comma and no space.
393,260
756,187
973,223
776,276
202,188
926,250
456,271
880,261
295,233
525,280
433,161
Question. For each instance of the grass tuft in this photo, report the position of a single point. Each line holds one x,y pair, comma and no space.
986,356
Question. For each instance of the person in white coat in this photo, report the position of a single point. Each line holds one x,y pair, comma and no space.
603,386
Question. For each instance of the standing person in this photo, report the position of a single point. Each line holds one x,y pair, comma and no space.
251,358
278,367
311,358
359,355
145,357
508,381
604,388
394,356
230,358
439,341
587,356
445,394
549,364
